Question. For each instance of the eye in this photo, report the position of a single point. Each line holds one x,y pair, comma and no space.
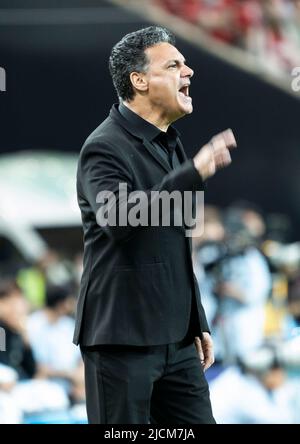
173,65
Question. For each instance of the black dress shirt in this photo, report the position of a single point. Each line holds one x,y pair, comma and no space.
164,142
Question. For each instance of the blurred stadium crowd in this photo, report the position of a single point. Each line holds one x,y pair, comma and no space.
41,371
267,29
249,279
250,285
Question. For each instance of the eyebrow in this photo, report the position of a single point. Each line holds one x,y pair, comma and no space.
177,61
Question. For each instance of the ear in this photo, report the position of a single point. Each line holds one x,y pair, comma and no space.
139,81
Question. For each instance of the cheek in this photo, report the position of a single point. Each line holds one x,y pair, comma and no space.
163,89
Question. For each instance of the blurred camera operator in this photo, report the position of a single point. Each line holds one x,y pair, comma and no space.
236,283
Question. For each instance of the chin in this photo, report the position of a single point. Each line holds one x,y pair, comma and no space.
186,108
189,110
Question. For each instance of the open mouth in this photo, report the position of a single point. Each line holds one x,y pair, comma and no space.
184,92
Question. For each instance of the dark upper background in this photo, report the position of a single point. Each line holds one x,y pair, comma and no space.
59,90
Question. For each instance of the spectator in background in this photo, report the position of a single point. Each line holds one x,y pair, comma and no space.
234,279
278,48
23,393
10,413
208,248
50,331
292,320
242,288
33,280
253,219
218,18
13,318
249,23
255,392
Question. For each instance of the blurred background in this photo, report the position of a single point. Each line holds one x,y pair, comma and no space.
55,89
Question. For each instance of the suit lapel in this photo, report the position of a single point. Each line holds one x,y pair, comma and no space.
151,149
114,113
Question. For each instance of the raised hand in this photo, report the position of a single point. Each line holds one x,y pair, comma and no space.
215,154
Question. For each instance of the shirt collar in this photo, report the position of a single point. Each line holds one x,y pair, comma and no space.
145,128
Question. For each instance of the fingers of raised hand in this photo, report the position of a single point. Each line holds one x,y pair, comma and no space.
224,140
229,138
223,159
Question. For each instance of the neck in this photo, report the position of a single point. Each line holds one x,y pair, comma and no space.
150,114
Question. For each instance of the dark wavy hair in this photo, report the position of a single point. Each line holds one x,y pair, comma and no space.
128,55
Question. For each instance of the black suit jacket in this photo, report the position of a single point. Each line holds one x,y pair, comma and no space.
138,285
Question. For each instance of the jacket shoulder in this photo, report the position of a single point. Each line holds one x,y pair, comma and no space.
106,145
104,133
109,135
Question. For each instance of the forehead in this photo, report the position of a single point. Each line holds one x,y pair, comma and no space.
162,52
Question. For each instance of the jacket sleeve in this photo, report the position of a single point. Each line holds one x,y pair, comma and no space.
101,169
203,320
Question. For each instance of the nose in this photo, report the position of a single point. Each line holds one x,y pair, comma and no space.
187,72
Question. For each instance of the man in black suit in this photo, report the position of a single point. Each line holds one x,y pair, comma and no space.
140,323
